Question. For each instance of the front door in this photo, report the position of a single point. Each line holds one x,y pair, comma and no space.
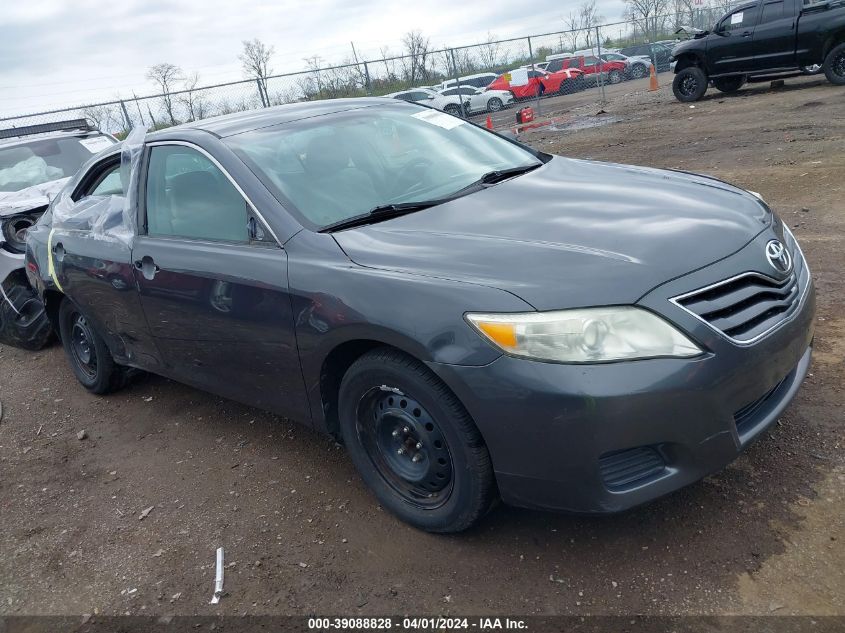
731,46
213,285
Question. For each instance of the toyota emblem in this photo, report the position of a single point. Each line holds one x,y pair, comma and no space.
778,256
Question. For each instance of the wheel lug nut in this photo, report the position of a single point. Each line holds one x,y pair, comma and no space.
416,458
401,451
406,430
395,433
419,445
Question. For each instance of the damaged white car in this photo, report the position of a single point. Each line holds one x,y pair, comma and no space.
35,163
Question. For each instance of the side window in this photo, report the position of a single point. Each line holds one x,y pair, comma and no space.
591,61
108,184
740,20
450,92
771,11
188,196
555,66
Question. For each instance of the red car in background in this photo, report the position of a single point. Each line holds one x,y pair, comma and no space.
611,72
541,82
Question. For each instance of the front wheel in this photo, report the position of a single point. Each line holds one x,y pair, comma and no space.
729,85
413,443
87,353
690,84
834,65
453,110
638,71
23,320
495,104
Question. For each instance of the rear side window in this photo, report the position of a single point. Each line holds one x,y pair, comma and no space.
189,196
109,183
771,11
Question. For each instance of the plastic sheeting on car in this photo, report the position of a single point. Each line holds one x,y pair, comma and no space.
106,217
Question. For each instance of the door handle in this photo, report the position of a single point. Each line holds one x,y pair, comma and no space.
747,34
147,267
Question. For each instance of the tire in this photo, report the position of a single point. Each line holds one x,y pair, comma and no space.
615,77
453,110
729,85
87,353
23,319
495,104
834,65
689,84
440,478
638,71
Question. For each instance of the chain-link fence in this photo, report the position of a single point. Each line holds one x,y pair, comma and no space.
586,61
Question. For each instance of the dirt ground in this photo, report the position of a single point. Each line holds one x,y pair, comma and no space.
301,533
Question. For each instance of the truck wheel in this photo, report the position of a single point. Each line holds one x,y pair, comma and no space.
690,84
834,65
87,352
414,443
23,320
729,84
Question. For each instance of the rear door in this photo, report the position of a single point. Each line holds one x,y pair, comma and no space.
213,283
774,36
96,272
731,48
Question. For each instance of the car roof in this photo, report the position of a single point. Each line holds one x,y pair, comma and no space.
238,122
24,140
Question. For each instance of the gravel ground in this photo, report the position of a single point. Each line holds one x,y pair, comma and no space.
127,519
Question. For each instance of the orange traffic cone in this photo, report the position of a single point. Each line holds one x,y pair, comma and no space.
489,123
652,80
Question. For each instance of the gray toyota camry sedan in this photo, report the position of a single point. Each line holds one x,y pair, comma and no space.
472,318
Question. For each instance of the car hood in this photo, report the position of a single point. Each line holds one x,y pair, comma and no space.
12,202
571,233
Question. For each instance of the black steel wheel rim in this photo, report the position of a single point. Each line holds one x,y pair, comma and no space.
689,85
406,447
839,65
82,346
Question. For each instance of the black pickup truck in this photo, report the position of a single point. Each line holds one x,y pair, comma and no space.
762,40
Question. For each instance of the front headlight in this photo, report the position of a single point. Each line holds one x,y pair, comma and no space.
584,335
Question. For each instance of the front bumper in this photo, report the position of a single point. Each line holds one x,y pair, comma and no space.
9,262
605,437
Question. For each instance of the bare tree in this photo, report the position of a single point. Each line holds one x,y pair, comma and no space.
165,76
415,62
573,32
389,63
488,52
313,64
648,15
255,62
103,117
192,100
590,18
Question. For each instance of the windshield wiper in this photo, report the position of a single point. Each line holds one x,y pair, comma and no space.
498,175
382,212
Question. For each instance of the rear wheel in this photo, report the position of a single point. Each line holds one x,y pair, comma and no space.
689,84
729,84
834,65
413,443
87,353
614,77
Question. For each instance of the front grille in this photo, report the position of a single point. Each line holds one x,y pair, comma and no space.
747,307
746,417
635,465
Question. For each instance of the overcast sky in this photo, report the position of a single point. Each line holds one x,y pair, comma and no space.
58,53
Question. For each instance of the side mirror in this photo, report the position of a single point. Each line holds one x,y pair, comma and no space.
430,97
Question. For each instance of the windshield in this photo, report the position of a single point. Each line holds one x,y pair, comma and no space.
39,161
334,167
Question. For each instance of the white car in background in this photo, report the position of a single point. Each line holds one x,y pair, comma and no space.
481,99
450,104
